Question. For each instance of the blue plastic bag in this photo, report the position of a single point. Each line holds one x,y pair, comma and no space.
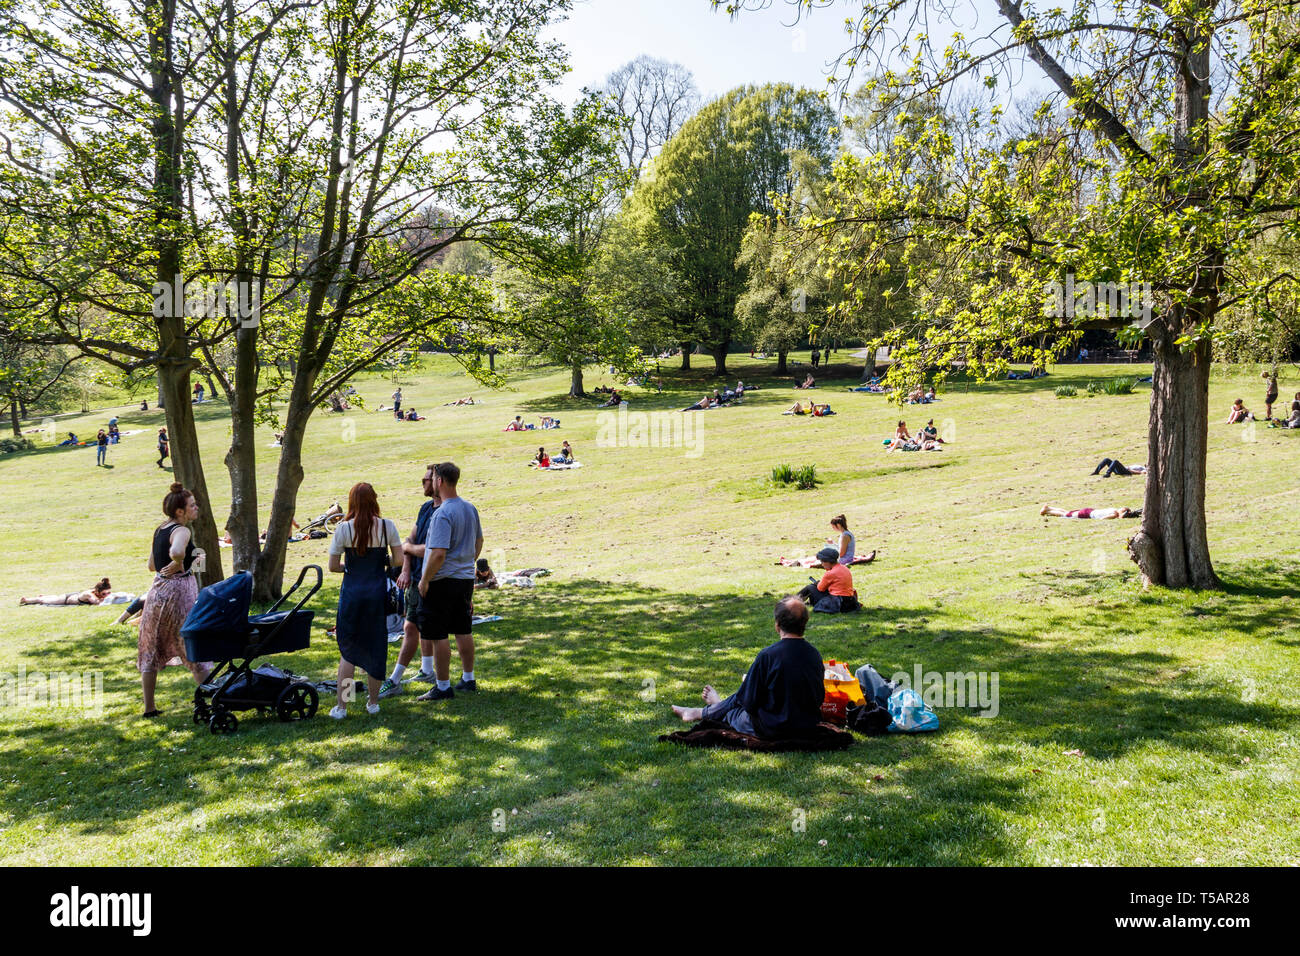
911,714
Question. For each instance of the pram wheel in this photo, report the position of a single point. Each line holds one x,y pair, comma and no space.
201,710
298,701
223,722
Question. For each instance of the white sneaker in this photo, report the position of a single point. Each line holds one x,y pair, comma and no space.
372,709
338,713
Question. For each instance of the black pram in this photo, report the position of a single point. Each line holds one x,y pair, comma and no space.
219,629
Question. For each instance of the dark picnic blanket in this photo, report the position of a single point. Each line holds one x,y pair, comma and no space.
714,733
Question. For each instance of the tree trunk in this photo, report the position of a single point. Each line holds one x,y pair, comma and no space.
492,360
268,577
719,353
13,417
175,351
22,410
1171,547
575,382
241,458
686,356
187,465
780,361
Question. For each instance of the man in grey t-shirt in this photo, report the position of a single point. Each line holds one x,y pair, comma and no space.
453,544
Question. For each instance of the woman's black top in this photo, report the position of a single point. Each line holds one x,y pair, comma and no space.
162,547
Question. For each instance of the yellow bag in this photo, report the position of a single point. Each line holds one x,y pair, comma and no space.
836,677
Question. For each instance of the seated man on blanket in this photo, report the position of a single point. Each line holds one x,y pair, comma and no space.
782,694
834,593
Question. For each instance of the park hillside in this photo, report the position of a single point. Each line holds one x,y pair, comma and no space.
1133,725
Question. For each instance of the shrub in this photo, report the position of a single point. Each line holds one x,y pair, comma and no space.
1066,391
1094,388
1118,386
16,444
804,476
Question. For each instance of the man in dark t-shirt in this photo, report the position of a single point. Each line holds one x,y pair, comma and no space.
781,696
412,568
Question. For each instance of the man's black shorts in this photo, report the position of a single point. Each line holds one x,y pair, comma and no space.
447,608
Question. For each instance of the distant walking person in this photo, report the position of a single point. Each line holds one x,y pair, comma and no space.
447,583
101,448
365,539
163,444
171,596
1270,394
816,357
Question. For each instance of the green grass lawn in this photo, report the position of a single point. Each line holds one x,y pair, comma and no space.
1133,728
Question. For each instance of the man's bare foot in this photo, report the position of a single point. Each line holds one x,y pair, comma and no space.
710,695
1046,508
689,714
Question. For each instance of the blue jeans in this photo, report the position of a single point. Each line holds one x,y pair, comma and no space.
727,712
101,454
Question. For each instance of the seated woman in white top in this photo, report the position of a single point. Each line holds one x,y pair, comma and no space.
843,542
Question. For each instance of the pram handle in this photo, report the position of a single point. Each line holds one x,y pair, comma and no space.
256,649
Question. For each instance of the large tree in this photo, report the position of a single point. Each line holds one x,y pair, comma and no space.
1177,151
731,159
653,98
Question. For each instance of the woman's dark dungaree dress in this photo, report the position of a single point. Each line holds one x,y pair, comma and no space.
362,619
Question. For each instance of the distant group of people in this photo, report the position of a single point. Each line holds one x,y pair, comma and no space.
1240,413
565,456
719,398
926,439
816,409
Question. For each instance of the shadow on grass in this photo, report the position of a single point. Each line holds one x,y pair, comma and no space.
576,683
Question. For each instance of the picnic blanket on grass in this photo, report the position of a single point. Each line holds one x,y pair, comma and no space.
714,733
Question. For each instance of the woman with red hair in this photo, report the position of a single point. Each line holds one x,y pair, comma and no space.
365,539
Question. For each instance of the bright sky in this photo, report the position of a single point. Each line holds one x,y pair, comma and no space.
757,47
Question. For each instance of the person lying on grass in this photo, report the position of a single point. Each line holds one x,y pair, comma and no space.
1238,413
834,593
614,399
701,405
782,694
467,400
1114,466
94,594
1098,514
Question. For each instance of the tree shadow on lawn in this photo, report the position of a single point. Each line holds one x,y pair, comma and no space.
576,685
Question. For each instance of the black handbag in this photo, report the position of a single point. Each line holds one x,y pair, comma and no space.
393,603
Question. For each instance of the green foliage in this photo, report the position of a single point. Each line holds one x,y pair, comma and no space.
1118,386
731,159
1066,391
12,444
802,477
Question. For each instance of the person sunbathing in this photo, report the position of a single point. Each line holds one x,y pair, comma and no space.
565,457
94,594
1097,514
820,411
517,425
1239,413
1114,466
902,437
782,694
834,593
549,422
467,400
797,409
